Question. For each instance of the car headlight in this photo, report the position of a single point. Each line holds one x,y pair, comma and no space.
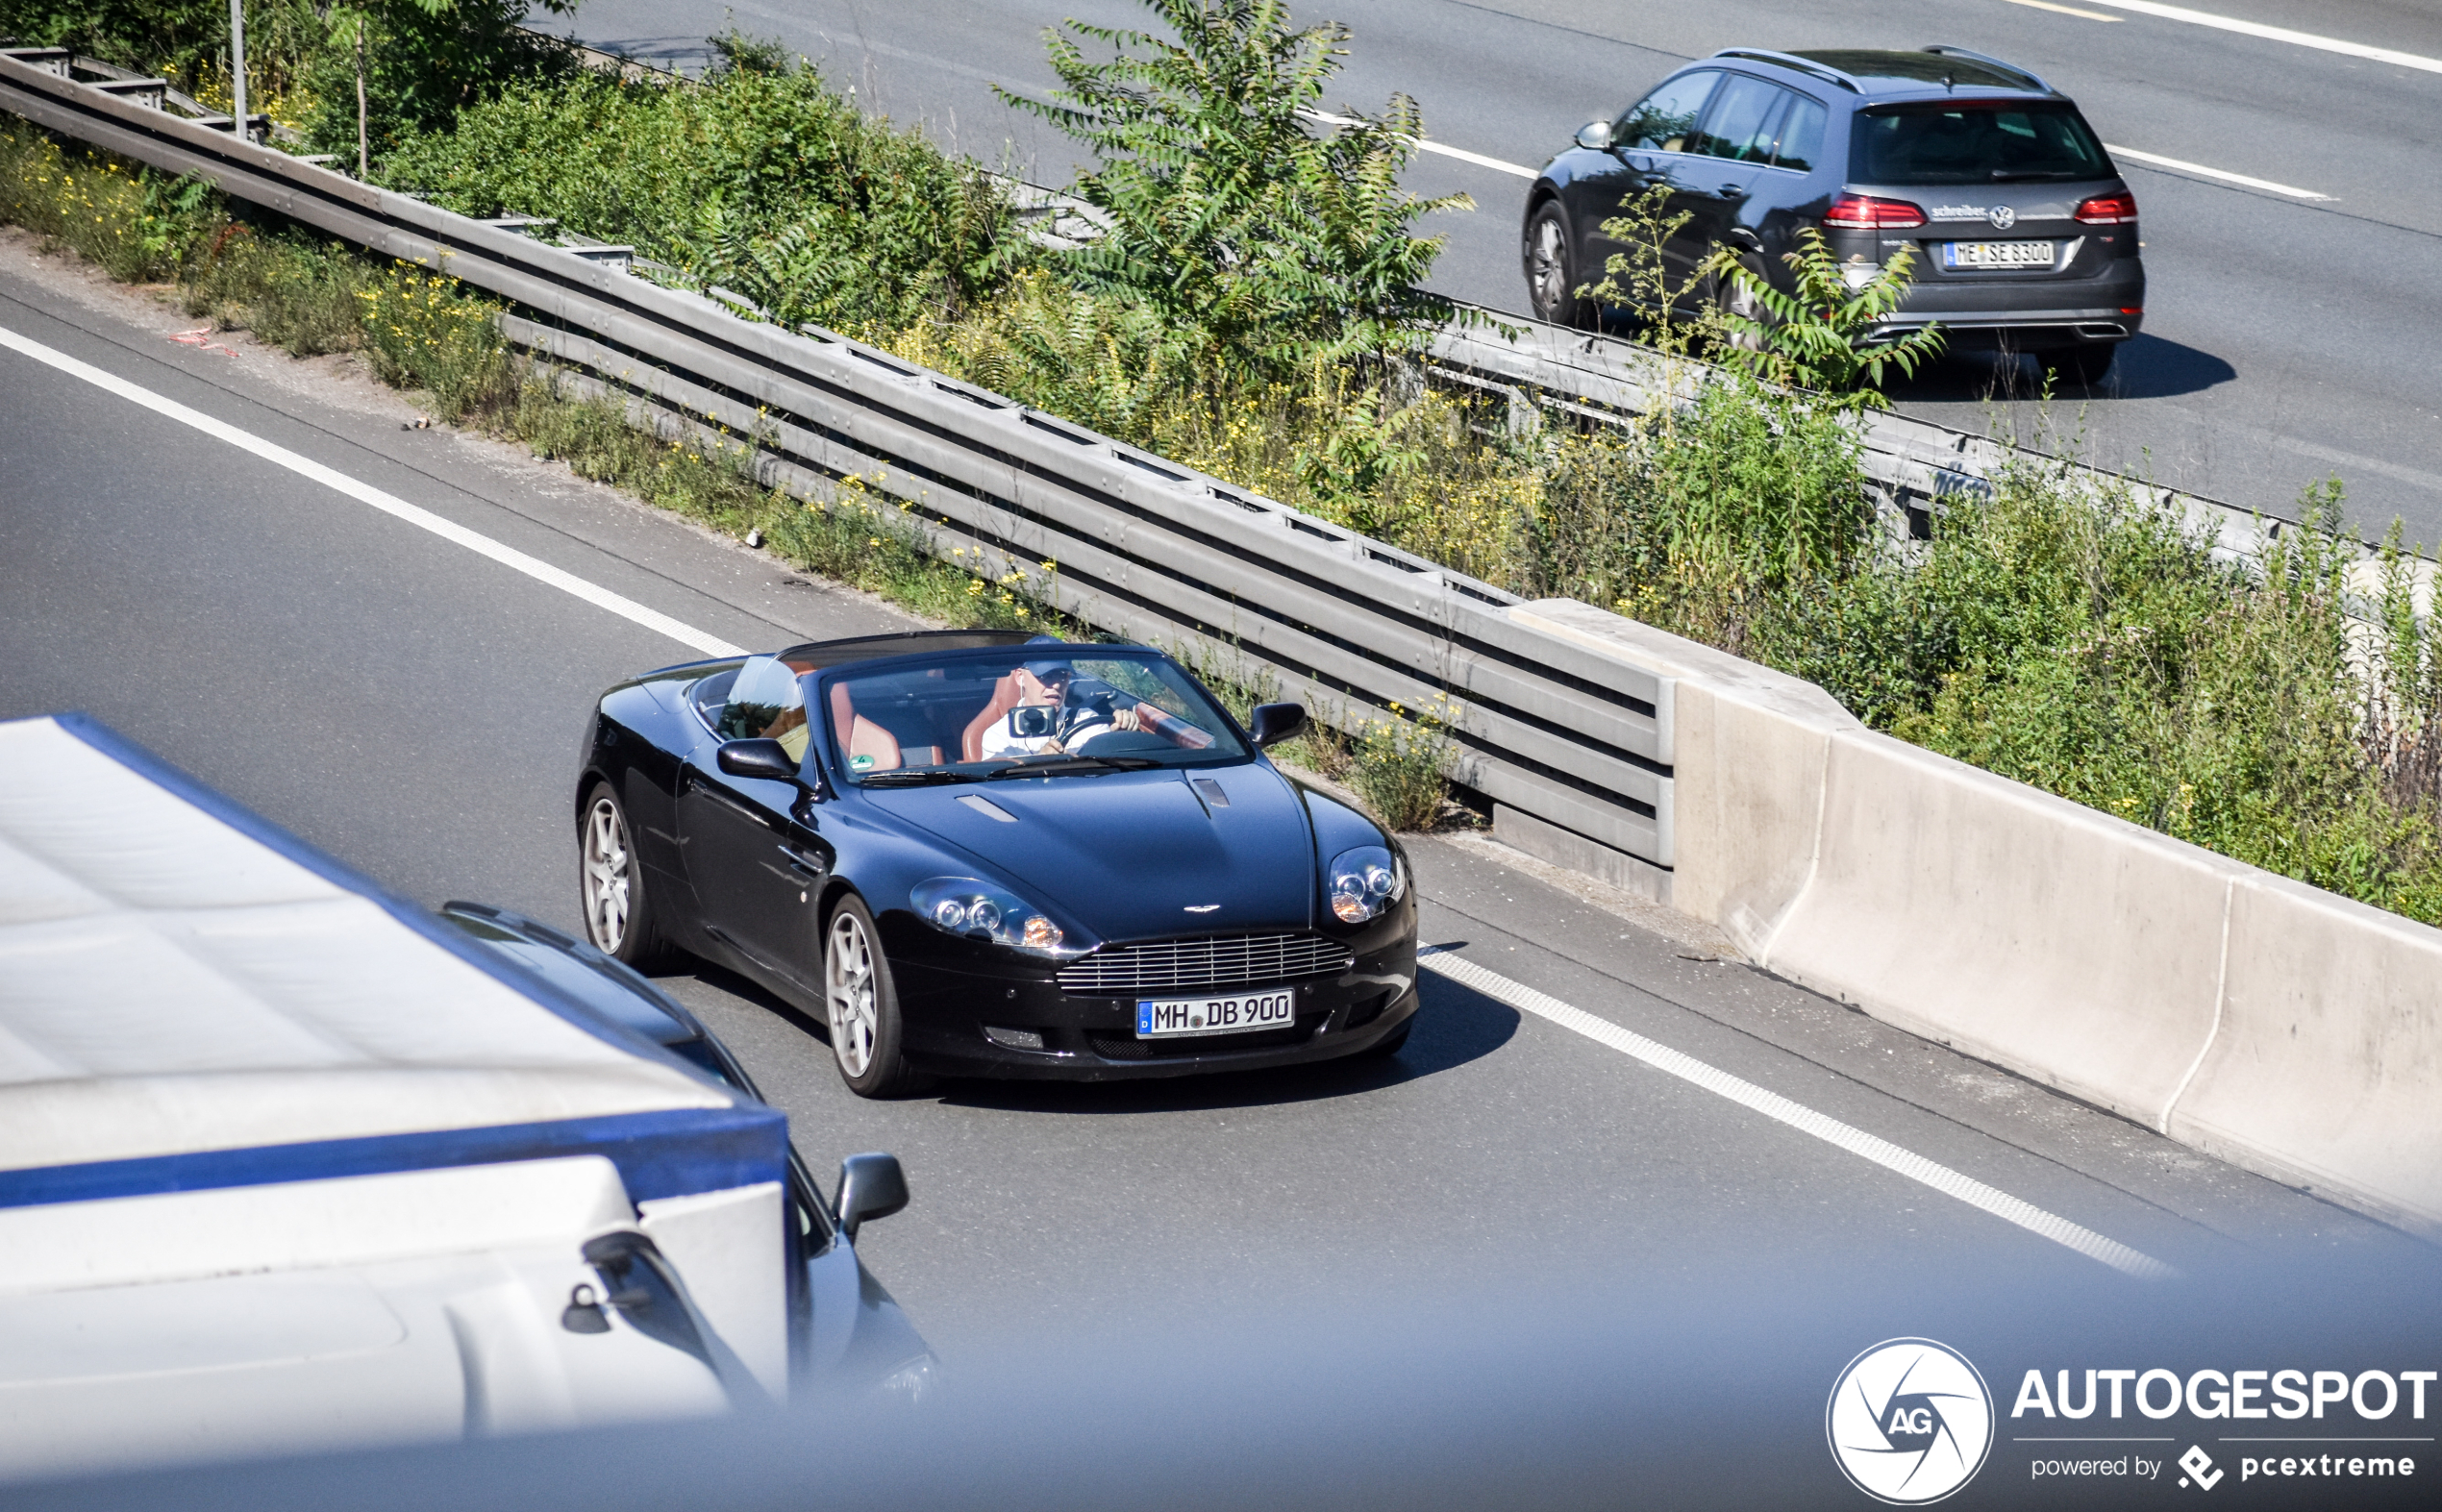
977,910
1365,881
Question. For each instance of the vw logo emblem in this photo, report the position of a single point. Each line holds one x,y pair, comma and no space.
1909,1422
2003,217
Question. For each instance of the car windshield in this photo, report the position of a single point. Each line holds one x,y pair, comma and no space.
1047,709
1975,143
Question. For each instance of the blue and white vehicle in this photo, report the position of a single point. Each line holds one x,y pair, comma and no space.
287,1164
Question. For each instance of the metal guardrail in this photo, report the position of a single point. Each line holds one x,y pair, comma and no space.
1543,726
1917,466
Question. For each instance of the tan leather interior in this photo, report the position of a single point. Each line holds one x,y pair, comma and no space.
865,739
1005,694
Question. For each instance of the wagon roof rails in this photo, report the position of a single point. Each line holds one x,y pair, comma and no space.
1946,50
1805,65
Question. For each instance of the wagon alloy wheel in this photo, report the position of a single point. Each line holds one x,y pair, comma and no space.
1549,278
620,918
860,1005
1739,300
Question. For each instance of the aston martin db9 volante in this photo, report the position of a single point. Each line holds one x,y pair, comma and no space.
981,852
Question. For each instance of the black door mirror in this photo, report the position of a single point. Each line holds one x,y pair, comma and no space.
757,758
1273,722
870,1186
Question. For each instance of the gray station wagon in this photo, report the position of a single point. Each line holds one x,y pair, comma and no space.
2024,234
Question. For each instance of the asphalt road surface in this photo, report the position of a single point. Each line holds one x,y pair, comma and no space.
2287,338
414,708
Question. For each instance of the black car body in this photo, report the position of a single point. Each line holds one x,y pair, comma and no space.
2023,233
1038,916
847,1333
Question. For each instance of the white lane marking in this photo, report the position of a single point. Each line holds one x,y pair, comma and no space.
509,556
2275,34
2180,166
2069,9
1805,1120
1422,145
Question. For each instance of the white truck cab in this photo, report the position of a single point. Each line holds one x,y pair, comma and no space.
289,1165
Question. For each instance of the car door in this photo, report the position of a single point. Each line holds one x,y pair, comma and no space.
1712,181
1646,142
753,845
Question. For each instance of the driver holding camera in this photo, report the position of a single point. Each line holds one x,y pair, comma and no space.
1042,722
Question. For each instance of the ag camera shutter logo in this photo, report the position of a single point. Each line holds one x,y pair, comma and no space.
1910,1421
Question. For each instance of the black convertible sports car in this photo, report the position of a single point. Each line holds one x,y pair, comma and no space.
981,852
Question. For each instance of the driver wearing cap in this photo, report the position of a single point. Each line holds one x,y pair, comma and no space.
1043,723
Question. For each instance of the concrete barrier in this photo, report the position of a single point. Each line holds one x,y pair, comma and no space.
2325,1068
2282,1027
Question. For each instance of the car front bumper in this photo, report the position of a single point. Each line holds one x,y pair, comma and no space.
950,1013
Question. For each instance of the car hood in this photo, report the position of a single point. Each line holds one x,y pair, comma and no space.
1127,855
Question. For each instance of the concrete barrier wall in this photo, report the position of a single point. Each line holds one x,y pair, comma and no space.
2326,1071
2282,1027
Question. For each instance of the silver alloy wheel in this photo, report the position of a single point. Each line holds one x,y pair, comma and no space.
1549,267
1739,300
848,995
609,875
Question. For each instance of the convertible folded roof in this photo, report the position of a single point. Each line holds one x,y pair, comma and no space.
190,998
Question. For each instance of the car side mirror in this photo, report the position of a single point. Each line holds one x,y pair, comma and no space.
1595,135
1273,722
767,758
870,1186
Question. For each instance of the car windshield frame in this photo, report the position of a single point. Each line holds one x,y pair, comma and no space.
1166,696
1864,167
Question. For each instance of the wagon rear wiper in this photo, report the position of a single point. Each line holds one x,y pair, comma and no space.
919,777
1053,766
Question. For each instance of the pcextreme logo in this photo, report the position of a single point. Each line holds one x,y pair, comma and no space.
1909,1422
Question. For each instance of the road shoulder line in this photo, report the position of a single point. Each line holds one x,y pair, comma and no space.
1805,1120
389,504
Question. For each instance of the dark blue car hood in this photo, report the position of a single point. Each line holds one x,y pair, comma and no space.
1127,854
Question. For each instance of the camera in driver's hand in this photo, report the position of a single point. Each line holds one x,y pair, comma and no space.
1032,722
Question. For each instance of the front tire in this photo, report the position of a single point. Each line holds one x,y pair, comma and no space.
1734,299
1550,270
622,917
860,1005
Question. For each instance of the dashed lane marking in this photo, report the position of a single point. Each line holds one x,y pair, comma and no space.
2223,175
1805,1120
2275,34
388,503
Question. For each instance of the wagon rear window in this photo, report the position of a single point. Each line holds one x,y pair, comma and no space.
1967,142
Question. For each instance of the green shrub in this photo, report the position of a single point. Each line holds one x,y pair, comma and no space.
138,223
1398,765
761,181
1233,216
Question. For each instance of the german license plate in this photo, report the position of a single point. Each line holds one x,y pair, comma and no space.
1169,1018
1996,254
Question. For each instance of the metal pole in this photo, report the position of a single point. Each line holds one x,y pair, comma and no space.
237,63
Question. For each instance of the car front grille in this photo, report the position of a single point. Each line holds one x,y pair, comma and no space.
1193,965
